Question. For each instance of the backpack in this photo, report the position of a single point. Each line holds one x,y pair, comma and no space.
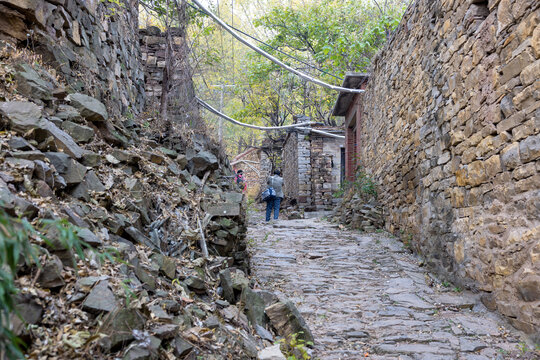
268,194
239,179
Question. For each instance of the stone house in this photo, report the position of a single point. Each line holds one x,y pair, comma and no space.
350,106
312,167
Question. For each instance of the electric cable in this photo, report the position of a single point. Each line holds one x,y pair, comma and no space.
275,60
272,47
300,126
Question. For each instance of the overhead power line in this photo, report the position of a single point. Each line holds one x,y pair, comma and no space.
266,128
274,59
300,126
272,47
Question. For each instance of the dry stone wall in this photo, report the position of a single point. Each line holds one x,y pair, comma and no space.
181,98
290,165
450,130
92,44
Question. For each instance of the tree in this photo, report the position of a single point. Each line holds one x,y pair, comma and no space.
331,36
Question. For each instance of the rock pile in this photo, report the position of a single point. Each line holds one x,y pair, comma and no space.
360,214
151,203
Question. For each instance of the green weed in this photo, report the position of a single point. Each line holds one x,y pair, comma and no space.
295,348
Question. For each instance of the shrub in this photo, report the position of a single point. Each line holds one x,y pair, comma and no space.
17,241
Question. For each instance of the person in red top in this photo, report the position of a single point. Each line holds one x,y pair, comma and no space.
240,180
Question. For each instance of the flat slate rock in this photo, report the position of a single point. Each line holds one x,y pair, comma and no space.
412,301
225,209
101,298
286,319
23,116
89,107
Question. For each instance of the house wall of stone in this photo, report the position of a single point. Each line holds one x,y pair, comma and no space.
450,131
305,170
91,44
290,166
325,163
332,147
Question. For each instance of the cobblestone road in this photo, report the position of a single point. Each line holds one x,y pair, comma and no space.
365,297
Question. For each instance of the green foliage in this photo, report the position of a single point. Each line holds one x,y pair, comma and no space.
14,245
128,293
335,36
113,7
342,189
295,348
363,184
17,238
339,35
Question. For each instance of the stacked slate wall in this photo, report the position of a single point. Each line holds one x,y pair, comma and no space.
450,131
181,99
92,44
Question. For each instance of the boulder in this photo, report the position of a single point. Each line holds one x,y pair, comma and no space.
224,209
140,238
286,319
91,183
72,171
182,161
45,173
195,283
62,141
166,265
79,133
239,280
181,347
263,333
101,298
170,153
202,162
68,113
29,310
253,306
119,326
22,116
165,331
29,155
89,237
91,159
227,285
51,274
271,353
90,108
30,84
146,348
18,143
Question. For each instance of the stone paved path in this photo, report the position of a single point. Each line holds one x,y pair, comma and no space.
365,297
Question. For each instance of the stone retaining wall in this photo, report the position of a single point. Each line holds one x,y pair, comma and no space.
92,44
450,131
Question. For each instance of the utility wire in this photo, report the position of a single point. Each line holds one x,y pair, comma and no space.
271,47
266,128
274,59
300,126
